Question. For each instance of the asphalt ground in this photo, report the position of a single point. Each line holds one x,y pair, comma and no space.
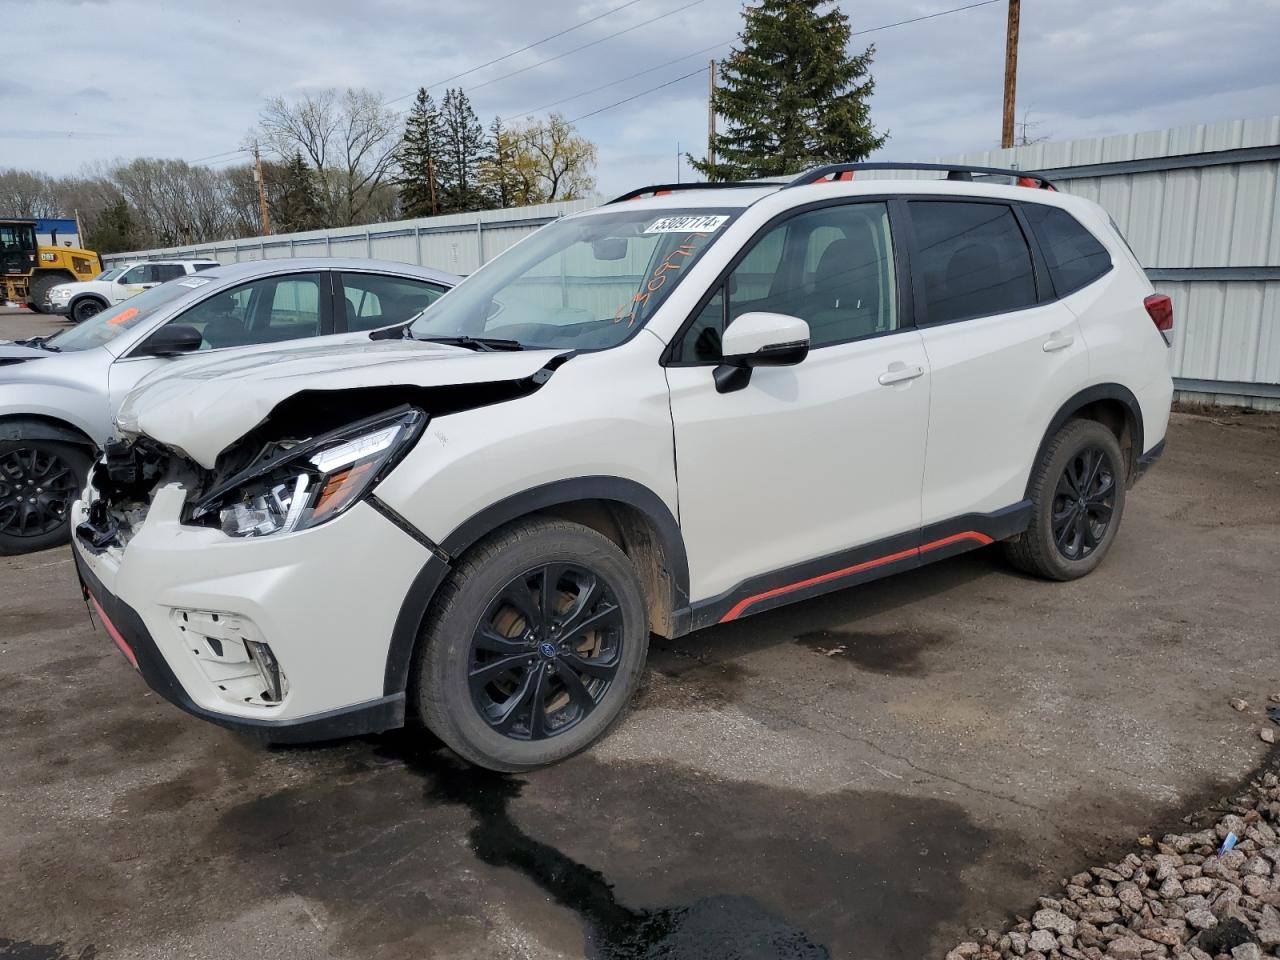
867,775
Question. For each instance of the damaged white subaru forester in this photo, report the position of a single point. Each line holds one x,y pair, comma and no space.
678,409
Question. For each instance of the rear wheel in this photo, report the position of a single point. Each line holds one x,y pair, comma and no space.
86,308
533,647
1077,497
39,480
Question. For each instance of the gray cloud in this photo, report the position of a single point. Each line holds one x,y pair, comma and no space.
187,80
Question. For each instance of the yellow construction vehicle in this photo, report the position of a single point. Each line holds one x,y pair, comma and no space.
28,268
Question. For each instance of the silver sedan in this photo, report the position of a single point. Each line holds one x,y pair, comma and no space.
58,394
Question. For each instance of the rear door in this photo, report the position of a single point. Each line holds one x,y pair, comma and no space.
808,461
1003,353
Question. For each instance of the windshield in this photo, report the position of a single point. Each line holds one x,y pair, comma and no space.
110,274
582,283
113,321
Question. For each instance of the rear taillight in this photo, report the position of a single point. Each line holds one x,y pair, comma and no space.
1160,309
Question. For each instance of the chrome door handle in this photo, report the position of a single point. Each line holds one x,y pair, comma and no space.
899,372
1058,341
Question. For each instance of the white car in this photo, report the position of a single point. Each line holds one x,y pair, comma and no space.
85,298
676,410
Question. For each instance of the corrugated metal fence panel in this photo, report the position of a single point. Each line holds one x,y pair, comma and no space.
452,242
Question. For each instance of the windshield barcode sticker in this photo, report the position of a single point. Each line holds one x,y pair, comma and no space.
701,223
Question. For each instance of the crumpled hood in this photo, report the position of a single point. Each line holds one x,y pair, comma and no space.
202,406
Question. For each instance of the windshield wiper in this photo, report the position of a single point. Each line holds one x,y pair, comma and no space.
39,342
481,344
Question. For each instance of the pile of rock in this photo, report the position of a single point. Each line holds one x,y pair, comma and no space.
1180,896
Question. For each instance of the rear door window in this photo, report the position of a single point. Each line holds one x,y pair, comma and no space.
1075,256
373,301
971,259
166,271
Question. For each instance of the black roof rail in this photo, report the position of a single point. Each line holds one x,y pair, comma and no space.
954,171
658,188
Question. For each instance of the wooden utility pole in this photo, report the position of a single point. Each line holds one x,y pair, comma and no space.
711,122
1010,72
262,191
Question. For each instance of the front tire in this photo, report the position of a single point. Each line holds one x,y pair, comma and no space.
86,308
1077,498
533,646
39,480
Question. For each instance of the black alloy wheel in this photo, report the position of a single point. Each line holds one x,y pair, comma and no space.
84,309
1084,502
37,487
546,651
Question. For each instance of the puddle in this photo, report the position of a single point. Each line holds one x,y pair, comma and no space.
693,683
900,653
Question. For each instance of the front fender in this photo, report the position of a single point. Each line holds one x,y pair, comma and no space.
34,411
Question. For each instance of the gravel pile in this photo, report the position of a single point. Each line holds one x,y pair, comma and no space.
1179,896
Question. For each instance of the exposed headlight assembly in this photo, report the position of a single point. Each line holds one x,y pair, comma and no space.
312,482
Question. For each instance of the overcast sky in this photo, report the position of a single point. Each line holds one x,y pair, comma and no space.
96,80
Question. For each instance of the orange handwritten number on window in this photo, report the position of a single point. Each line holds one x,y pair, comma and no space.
123,317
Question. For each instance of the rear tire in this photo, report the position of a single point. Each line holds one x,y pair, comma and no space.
40,286
509,689
1077,498
86,308
39,480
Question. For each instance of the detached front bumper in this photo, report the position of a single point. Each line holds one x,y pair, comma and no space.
324,600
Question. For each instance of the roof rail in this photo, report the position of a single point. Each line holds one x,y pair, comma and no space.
954,171
658,189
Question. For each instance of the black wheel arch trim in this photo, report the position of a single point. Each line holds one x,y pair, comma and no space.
1076,403
20,427
558,493
96,298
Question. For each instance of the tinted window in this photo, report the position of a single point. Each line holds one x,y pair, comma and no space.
207,266
973,259
1074,254
166,271
270,310
832,267
374,301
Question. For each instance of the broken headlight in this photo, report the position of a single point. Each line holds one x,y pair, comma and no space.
312,482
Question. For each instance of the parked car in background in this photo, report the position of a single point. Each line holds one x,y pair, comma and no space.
85,298
58,394
678,409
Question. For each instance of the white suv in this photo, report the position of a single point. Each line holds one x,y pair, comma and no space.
679,409
86,298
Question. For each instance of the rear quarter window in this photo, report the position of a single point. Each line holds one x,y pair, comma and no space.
1075,256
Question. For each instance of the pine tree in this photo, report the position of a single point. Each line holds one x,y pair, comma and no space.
462,153
419,158
297,204
498,168
113,230
792,96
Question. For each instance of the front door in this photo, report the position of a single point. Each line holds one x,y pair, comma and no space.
806,462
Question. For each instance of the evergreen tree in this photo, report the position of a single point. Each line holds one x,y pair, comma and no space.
498,169
297,204
463,149
792,96
419,158
113,230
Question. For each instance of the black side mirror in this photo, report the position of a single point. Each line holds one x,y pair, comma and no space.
171,340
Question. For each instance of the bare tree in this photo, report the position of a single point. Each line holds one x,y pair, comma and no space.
26,194
350,140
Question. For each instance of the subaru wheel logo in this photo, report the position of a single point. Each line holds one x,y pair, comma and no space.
548,650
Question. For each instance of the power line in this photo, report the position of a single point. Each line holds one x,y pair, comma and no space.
215,156
528,46
561,56
640,94
614,83
856,33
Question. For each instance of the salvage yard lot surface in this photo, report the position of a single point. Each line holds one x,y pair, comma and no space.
866,775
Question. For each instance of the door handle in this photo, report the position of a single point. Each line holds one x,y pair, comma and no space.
899,372
1058,341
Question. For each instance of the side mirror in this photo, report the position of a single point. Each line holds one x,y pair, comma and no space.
171,340
759,340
